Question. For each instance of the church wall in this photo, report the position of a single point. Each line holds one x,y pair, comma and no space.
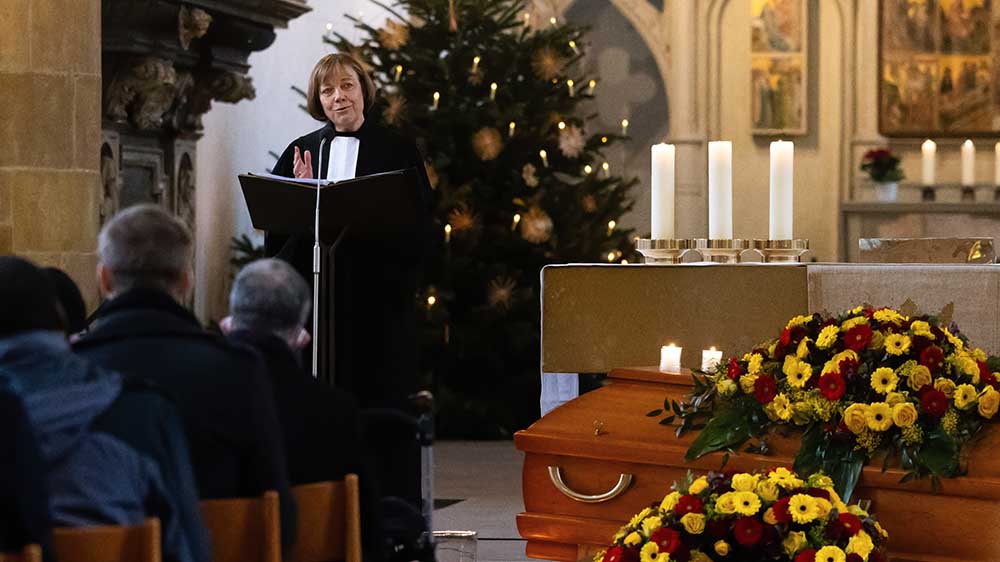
50,87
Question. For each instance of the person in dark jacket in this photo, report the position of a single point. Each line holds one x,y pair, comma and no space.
221,390
113,453
268,306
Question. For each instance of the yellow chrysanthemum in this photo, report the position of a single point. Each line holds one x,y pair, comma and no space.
803,508
879,416
599,555
952,339
798,321
699,485
852,322
830,554
726,503
803,349
921,328
648,552
919,377
633,539
884,380
888,315
790,365
694,523
755,363
747,503
779,408
860,544
784,478
989,402
619,535
745,482
897,344
978,354
965,396
827,337
634,523
747,382
794,542
721,548
669,501
651,524
768,490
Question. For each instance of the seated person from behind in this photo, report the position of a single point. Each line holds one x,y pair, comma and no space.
113,451
269,304
221,390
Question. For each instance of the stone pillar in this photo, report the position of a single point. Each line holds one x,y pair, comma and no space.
50,128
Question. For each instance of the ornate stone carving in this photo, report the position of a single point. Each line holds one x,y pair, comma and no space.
142,92
109,183
185,191
192,23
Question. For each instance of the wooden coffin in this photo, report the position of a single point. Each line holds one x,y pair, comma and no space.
633,453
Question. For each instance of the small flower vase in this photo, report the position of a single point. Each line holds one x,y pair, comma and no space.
886,191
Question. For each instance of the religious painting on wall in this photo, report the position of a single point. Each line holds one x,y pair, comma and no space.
778,67
937,61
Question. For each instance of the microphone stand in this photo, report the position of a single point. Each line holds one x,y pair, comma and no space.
316,267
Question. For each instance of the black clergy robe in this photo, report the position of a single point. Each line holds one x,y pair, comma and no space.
376,280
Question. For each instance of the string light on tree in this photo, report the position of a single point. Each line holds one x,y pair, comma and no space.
611,227
591,86
624,127
562,125
447,233
604,140
510,129
437,99
569,85
493,91
588,169
553,20
545,157
611,257
517,219
398,72
572,45
475,64
527,19
607,169
329,27
431,300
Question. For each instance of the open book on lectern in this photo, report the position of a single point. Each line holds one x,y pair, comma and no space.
377,205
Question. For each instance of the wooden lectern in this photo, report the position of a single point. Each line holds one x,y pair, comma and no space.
375,207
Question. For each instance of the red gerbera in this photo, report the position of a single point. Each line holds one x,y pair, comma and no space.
668,540
807,555
748,531
850,523
934,403
932,357
781,513
765,389
831,386
614,554
734,370
786,336
688,504
858,337
989,379
984,369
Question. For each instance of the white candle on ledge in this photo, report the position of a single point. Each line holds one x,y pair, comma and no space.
928,152
720,190
710,358
782,157
662,188
968,163
670,358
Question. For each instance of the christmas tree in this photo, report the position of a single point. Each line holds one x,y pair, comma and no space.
496,103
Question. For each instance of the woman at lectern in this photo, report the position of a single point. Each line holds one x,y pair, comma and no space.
376,281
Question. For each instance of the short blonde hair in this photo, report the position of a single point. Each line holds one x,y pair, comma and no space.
332,64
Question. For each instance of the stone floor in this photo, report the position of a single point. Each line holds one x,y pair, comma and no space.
478,488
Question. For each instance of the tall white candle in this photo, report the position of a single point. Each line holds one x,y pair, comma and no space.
968,163
662,180
710,358
670,358
720,190
782,157
996,164
928,151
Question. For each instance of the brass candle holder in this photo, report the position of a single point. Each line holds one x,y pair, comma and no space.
666,250
722,250
782,251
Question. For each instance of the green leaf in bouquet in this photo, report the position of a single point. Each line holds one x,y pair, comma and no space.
807,461
729,427
667,420
939,453
654,413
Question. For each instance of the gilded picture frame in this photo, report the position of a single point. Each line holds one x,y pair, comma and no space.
779,67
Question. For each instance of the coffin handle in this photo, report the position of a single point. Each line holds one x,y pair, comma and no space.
555,474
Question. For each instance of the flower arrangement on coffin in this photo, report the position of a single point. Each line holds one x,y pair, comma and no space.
750,518
865,384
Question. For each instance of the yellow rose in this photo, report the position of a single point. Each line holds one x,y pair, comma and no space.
726,503
794,542
827,337
855,509
878,340
699,556
830,554
633,539
920,376
768,490
884,380
989,401
855,418
725,386
894,398
823,506
747,382
721,548
879,416
698,486
904,414
648,552
921,328
670,501
802,413
694,523
860,544
965,396
968,366
769,517
744,482
650,525
947,386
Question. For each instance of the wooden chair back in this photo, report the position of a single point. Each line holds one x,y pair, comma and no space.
108,543
244,529
329,521
30,553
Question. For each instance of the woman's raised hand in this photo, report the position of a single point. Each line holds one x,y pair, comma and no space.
302,168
